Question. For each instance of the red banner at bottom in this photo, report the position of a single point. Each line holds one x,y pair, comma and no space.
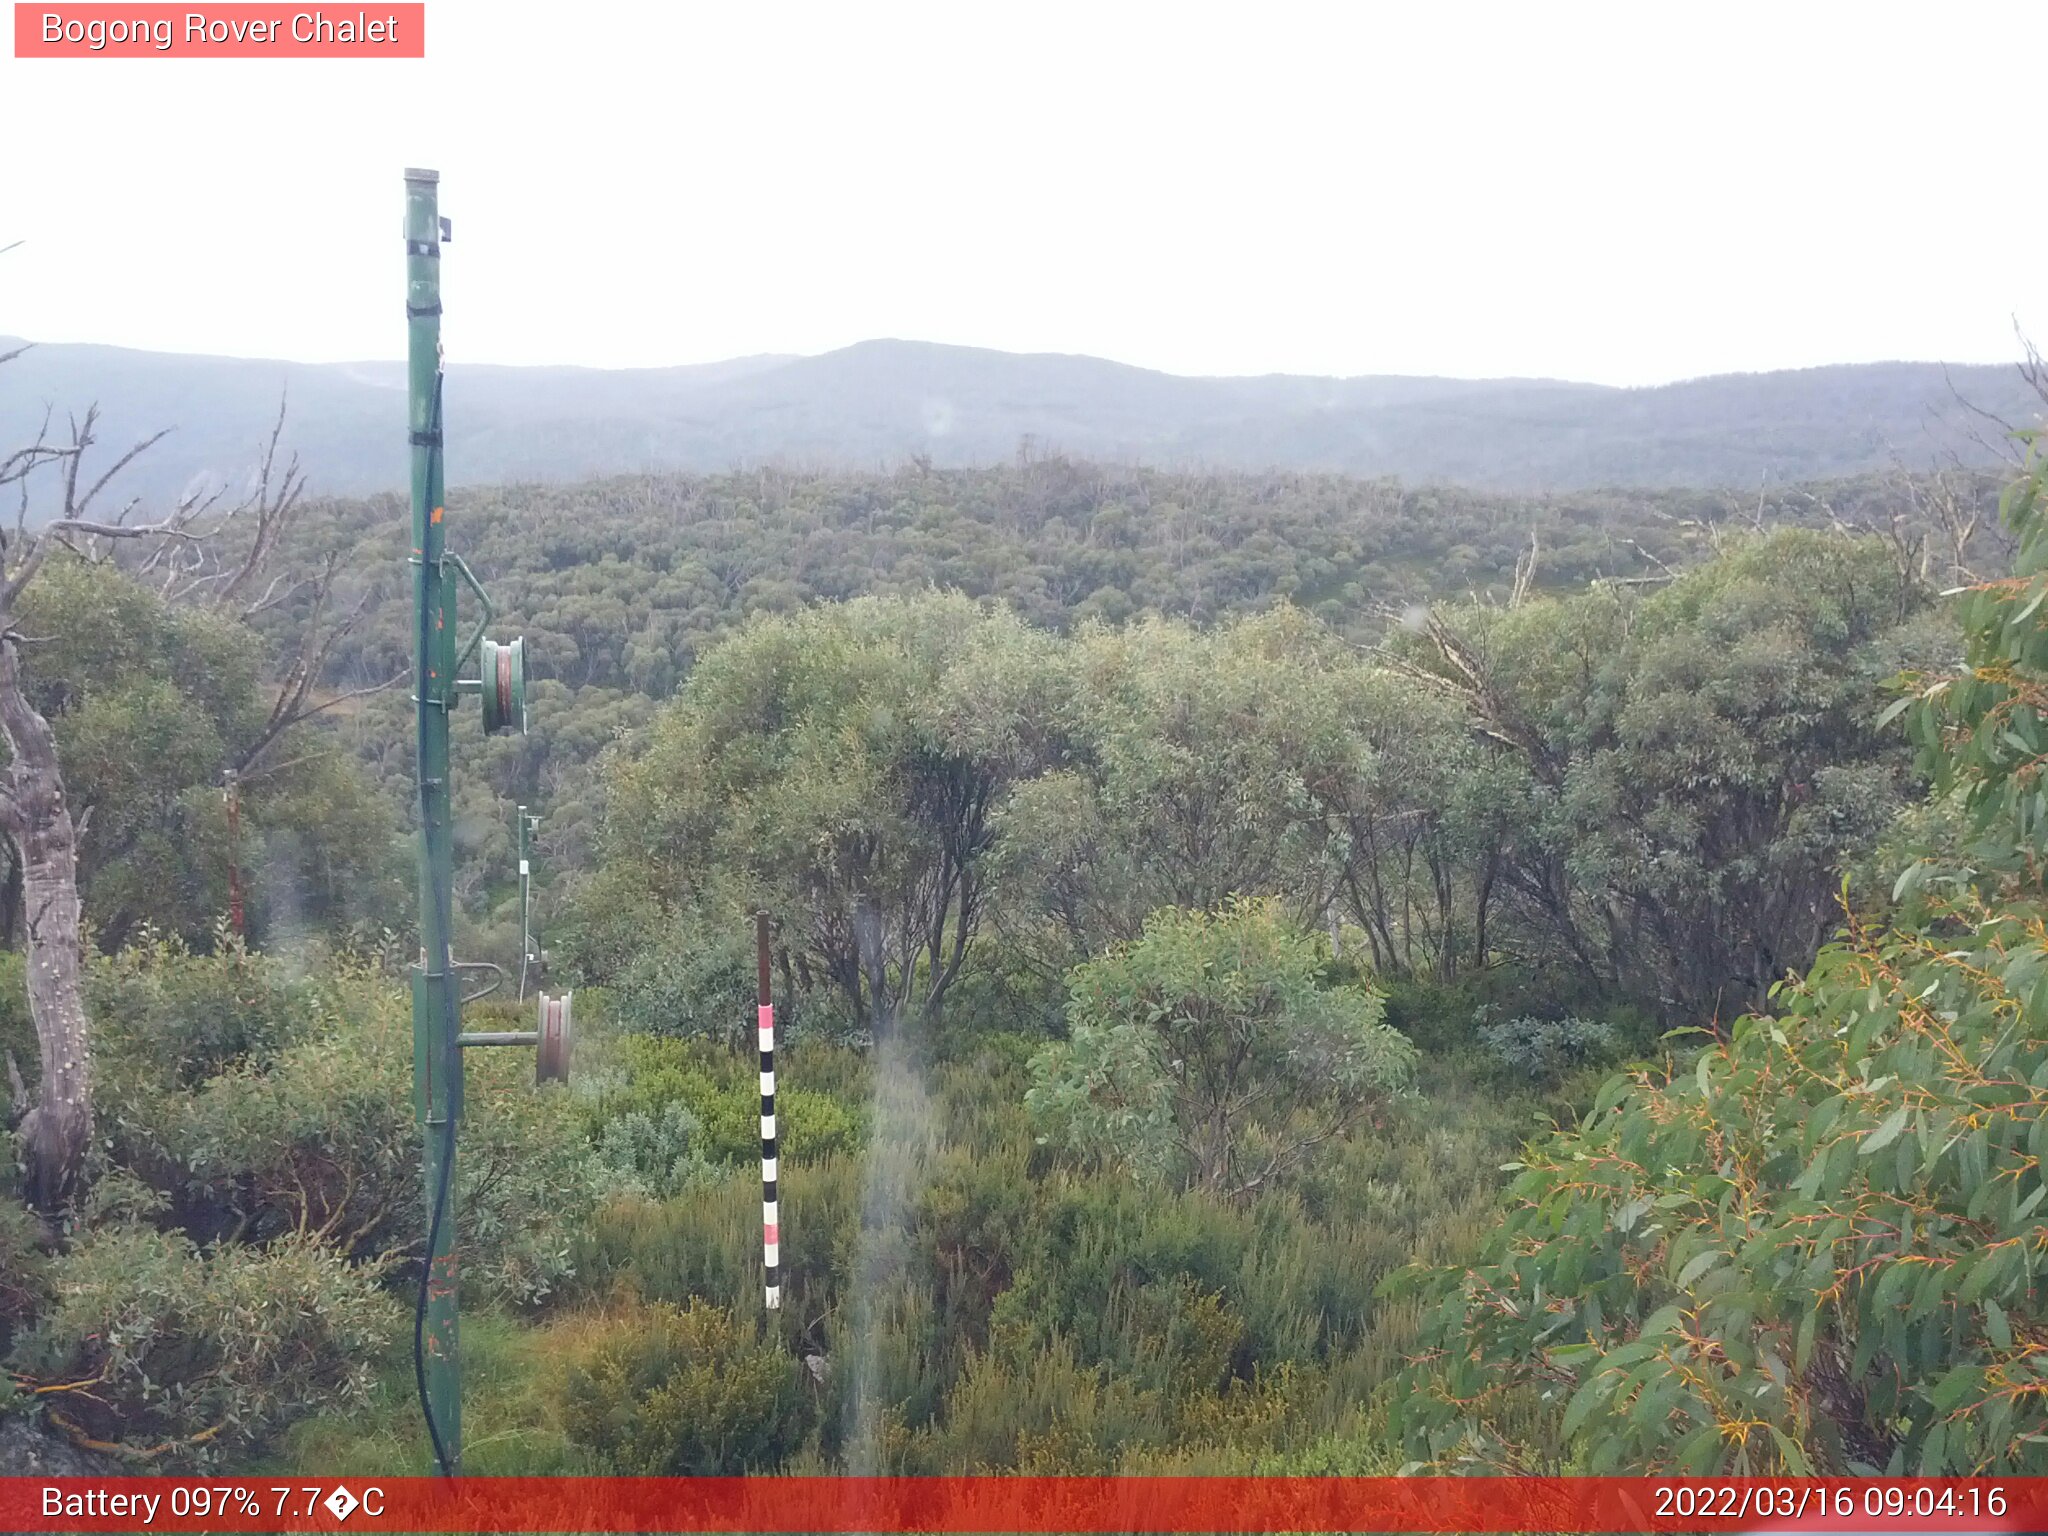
1024,1504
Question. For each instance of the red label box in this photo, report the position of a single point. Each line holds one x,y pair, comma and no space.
372,30
1054,1506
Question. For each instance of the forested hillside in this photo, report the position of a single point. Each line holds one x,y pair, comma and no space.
1189,890
886,403
620,585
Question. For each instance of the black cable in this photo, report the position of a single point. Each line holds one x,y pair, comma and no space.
419,1315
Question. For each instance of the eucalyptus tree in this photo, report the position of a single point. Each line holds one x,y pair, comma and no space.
1811,1246
843,768
1198,767
1701,760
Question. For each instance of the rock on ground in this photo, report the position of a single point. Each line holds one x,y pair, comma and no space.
27,1450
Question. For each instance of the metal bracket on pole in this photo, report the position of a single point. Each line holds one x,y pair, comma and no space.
553,1041
490,611
497,977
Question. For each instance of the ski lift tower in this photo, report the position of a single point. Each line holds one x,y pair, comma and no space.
439,658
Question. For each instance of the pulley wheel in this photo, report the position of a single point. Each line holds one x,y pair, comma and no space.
504,686
551,1055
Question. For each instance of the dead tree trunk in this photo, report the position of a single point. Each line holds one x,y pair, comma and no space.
57,1128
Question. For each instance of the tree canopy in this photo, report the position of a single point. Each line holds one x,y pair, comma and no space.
1812,1245
152,702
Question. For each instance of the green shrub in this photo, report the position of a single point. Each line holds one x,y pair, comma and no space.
707,1244
1212,1053
668,1392
1445,1017
512,1373
1185,1311
1046,1412
1356,1454
1545,1050
17,1028
808,1125
168,1014
1436,1015
998,997
189,1357
24,1268
654,1155
981,1303
1050,1411
694,984
314,1135
721,1091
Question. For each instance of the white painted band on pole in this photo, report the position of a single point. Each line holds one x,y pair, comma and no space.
771,1229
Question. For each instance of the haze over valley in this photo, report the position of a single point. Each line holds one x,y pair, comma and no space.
884,403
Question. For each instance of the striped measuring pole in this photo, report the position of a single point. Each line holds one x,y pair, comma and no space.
771,1225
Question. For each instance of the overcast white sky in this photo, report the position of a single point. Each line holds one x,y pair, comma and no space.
1623,194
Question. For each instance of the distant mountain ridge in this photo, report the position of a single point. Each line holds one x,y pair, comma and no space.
884,402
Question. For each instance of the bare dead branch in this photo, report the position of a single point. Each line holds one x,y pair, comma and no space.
169,530
1668,573
188,514
2032,369
2004,446
77,509
18,464
292,762
280,591
316,646
334,701
274,512
1525,570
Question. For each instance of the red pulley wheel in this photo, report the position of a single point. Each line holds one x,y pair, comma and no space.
557,1033
503,686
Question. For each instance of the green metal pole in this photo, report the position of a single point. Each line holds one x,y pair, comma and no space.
437,1060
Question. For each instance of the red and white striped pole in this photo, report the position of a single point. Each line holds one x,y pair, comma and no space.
771,1235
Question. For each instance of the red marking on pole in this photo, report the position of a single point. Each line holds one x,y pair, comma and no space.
234,800
764,1017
